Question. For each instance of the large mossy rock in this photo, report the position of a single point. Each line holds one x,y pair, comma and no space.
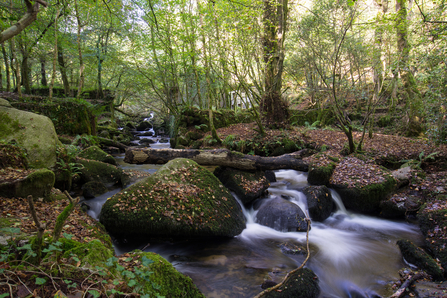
247,186
37,184
105,173
321,167
96,153
418,257
282,215
319,202
362,186
301,284
432,221
181,200
166,281
35,133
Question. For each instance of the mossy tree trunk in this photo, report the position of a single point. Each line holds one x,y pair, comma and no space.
412,96
273,108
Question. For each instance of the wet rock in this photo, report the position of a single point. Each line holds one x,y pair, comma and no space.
282,215
181,200
144,126
301,284
418,257
247,186
400,205
105,173
319,202
93,189
147,141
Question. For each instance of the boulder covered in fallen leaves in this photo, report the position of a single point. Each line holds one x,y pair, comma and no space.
433,224
33,132
362,185
321,167
302,283
95,153
181,200
418,257
247,186
37,183
401,205
319,202
282,215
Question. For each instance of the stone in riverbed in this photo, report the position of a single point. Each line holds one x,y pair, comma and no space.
301,284
181,200
319,202
282,215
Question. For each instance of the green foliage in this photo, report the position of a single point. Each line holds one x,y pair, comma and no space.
417,163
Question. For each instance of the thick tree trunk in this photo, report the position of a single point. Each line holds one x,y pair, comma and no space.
218,157
63,69
8,76
43,80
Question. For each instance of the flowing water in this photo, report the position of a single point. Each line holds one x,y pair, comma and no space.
353,255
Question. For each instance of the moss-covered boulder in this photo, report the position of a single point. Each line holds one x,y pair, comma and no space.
302,283
95,153
35,133
418,257
319,202
432,221
165,280
38,184
247,186
105,173
182,199
321,167
362,186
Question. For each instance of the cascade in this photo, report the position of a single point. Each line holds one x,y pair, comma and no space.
351,254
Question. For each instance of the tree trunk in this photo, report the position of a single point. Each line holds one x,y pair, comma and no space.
55,57
218,157
8,75
43,80
63,69
412,96
81,61
273,108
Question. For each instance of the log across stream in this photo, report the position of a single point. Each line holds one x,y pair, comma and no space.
351,254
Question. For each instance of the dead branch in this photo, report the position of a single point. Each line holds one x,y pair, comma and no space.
294,270
40,228
411,278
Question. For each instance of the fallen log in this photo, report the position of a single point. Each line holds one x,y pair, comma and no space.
218,157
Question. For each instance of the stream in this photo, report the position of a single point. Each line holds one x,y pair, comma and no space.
353,255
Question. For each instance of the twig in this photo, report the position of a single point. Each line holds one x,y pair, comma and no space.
406,284
294,270
40,228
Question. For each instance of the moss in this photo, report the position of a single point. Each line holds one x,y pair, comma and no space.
95,153
320,174
38,184
417,256
166,281
91,254
60,221
99,171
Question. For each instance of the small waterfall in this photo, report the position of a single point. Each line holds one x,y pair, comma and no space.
350,253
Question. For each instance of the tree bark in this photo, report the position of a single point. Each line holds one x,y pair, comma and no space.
218,157
29,17
63,69
8,76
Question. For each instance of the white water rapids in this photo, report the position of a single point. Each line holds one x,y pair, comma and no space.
353,255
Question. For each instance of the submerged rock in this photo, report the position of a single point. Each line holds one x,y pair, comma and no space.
282,215
181,200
